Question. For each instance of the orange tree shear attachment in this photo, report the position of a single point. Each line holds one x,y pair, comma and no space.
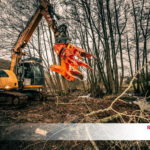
69,64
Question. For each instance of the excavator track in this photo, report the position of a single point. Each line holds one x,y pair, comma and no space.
14,98
34,95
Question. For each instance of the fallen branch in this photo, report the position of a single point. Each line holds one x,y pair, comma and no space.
106,119
123,93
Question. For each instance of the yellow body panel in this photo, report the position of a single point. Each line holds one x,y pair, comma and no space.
10,82
33,86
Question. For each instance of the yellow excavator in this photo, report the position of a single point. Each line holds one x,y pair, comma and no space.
26,76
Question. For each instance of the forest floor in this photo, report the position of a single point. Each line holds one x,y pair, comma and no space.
74,109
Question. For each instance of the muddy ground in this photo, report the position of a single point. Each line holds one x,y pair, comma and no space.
71,109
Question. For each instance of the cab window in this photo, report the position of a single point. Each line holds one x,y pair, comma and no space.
3,73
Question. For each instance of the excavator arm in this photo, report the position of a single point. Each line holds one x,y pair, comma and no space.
24,38
45,9
66,51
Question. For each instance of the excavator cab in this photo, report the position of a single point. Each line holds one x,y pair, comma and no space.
30,73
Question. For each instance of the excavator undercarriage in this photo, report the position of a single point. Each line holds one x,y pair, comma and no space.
14,98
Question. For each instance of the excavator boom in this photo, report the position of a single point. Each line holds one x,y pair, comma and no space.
45,9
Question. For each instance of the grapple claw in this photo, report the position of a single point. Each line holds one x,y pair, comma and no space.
69,64
76,74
